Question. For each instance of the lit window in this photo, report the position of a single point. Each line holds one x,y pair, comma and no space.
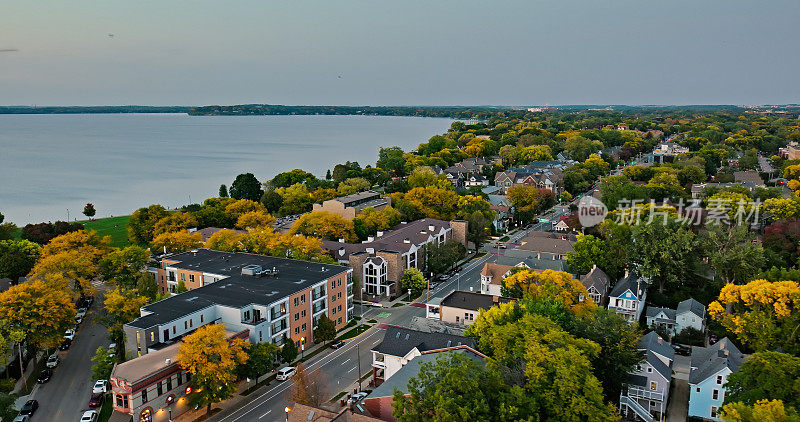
653,385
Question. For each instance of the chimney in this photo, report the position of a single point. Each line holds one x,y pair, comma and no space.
406,240
341,240
370,239
167,361
380,233
430,227
370,251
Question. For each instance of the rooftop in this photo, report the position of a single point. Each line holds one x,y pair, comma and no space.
398,341
708,361
549,244
416,232
693,306
472,301
357,197
235,290
400,379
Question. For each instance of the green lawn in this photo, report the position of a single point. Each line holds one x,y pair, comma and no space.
116,227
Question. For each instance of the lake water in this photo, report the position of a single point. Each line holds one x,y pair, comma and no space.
119,162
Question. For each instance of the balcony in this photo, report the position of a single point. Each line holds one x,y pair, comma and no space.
253,321
643,393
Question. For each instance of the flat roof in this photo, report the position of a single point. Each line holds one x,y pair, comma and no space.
235,290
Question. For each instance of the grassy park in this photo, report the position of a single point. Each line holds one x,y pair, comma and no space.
116,227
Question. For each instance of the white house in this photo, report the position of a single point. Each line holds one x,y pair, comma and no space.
628,296
710,367
690,313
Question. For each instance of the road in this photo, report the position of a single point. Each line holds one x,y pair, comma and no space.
66,396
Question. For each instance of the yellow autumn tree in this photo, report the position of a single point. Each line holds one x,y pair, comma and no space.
174,222
255,219
268,242
764,315
325,225
761,411
237,208
212,359
558,285
122,306
177,241
227,241
73,255
39,311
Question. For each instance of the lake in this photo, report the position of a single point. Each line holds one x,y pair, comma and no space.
54,164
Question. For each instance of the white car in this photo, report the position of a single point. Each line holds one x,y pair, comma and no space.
89,416
112,348
52,361
81,312
69,334
22,418
285,373
78,320
100,386
357,397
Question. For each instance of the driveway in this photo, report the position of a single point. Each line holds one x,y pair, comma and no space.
67,394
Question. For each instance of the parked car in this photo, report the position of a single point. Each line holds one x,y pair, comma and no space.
712,339
45,375
22,418
89,416
112,348
65,345
29,408
100,386
357,397
78,320
96,399
285,373
69,334
52,361
81,312
503,246
682,350
443,277
337,344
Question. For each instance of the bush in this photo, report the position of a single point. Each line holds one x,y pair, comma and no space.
690,336
7,385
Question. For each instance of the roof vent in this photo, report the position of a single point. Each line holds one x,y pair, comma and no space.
380,233
407,335
397,335
449,342
370,238
167,361
341,240
423,232
431,228
406,240
370,250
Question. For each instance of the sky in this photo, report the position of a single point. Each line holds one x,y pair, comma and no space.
343,52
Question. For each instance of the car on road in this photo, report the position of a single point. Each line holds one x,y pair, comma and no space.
45,375
503,246
65,345
69,334
81,312
52,361
22,418
285,373
29,408
89,416
357,397
96,399
443,277
337,344
682,350
100,386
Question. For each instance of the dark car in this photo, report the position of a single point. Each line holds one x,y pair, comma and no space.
682,350
96,400
45,375
712,339
65,345
29,408
337,344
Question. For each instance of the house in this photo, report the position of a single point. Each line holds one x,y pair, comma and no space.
547,245
349,206
540,174
274,298
690,313
749,179
401,345
562,225
665,152
791,151
142,387
476,179
628,296
299,412
493,273
379,401
709,370
379,262
647,391
462,307
597,284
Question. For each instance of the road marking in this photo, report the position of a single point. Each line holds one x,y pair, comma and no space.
265,414
348,360
354,368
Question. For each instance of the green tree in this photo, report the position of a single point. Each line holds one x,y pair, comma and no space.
142,223
181,288
17,258
246,186
766,375
104,362
761,411
440,257
392,160
223,191
588,252
262,358
89,210
732,253
413,280
295,200
146,286
272,201
289,351
665,254
478,229
325,331
580,148
123,266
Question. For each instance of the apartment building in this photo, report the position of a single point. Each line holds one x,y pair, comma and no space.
274,298
379,262
350,206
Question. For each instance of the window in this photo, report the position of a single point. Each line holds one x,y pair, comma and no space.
188,377
159,389
296,316
340,308
719,379
201,318
456,319
169,383
173,329
119,400
180,378
183,277
653,385
303,313
152,336
296,300
185,325
339,295
715,394
649,369
191,321
191,278
247,315
333,311
259,336
296,330
339,321
304,327
697,390
144,396
303,298
713,411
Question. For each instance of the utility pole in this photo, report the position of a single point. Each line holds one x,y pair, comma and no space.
358,357
67,215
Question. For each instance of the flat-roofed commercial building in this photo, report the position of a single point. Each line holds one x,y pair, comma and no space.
351,205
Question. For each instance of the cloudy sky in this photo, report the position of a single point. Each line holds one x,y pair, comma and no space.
399,52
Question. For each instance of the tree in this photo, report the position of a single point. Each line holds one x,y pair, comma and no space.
413,280
370,221
766,375
782,208
615,189
392,160
761,411
326,225
142,223
764,315
223,191
289,178
478,230
178,241
732,253
440,257
261,358
121,306
295,200
181,287
42,313
227,241
71,257
579,148
272,201
325,331
665,254
212,359
289,351
557,285
781,242
430,202
353,185
255,219
528,200
89,210
175,222
104,362
307,387
7,231
246,186
424,176
235,209
123,266
146,286
17,258
664,185
43,232
588,252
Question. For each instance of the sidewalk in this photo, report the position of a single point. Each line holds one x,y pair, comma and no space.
30,376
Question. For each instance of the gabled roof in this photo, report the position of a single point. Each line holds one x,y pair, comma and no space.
659,366
546,244
653,311
652,342
597,278
495,271
398,341
693,306
707,361
417,232
630,282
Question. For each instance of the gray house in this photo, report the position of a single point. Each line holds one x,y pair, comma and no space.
647,392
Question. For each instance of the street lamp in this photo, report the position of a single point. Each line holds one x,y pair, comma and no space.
302,347
286,410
